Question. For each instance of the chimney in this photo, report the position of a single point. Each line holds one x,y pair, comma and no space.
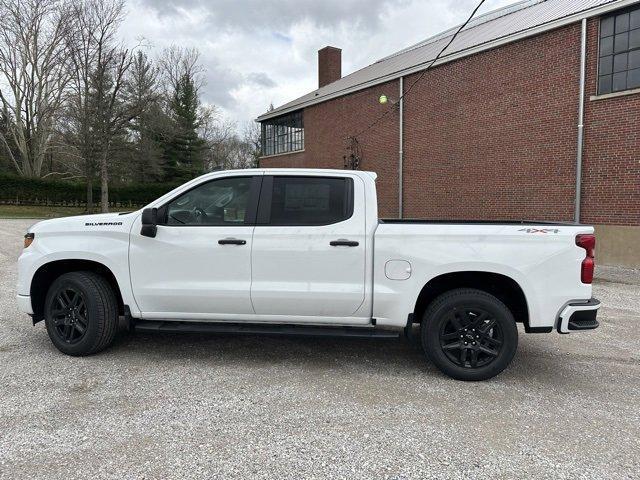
329,65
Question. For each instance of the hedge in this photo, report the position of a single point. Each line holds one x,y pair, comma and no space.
35,191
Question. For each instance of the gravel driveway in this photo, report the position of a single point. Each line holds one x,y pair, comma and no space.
162,406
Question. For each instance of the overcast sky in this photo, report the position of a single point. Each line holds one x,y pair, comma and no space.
260,51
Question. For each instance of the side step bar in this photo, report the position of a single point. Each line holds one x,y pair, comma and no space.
262,329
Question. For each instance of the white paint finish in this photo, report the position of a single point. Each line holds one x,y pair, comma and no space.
297,272
70,238
397,270
184,271
24,304
293,275
268,319
546,266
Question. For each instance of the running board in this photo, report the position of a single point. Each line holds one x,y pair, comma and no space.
262,329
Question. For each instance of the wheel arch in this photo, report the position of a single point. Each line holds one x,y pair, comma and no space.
47,273
499,285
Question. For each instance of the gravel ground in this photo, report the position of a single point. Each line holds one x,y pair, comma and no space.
161,406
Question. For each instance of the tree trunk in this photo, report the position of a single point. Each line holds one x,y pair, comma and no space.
89,171
104,187
89,193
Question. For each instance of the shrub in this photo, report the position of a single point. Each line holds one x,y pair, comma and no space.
34,191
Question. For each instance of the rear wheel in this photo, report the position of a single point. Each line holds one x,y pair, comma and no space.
81,313
469,334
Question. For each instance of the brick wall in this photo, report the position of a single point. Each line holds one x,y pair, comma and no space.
611,180
327,128
290,160
492,136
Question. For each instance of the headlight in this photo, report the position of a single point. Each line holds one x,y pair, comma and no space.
28,239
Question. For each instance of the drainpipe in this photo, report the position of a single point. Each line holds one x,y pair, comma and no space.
583,62
401,143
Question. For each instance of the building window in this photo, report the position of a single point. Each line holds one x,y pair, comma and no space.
619,67
283,134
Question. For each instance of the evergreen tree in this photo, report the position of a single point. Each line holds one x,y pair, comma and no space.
185,150
151,126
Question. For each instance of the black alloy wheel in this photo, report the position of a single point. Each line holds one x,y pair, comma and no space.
470,337
469,334
81,313
69,315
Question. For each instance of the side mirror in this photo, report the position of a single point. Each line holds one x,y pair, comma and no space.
149,222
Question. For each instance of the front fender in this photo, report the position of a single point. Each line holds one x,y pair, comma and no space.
110,250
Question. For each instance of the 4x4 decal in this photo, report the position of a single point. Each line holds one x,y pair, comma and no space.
539,230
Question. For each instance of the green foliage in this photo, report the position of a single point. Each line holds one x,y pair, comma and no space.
20,190
129,120
150,127
184,151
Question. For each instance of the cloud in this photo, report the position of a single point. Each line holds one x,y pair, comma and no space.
262,79
258,52
280,14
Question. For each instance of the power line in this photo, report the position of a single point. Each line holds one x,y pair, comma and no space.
422,74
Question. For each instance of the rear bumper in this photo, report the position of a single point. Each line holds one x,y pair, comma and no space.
24,304
578,316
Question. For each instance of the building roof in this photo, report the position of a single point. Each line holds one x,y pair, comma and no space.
508,24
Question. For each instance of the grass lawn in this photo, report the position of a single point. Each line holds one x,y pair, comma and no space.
41,211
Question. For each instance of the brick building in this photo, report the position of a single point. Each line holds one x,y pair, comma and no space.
493,129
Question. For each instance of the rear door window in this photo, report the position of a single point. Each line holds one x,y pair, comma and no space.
289,200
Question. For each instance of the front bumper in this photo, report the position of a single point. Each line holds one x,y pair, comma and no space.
579,316
24,304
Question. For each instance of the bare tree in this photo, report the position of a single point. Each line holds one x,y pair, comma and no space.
213,126
34,71
113,113
233,153
179,62
98,112
225,148
216,131
252,137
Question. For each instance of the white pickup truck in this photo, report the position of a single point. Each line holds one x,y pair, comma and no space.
302,252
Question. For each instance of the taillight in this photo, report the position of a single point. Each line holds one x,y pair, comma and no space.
588,242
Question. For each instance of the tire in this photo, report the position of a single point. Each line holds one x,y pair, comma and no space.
477,318
81,313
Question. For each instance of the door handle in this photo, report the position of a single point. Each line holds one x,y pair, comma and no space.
232,241
341,242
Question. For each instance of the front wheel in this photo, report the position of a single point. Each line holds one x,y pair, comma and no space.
81,313
469,334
